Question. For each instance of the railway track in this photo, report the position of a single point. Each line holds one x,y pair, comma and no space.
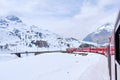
18,54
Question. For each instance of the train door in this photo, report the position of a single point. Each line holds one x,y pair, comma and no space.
117,51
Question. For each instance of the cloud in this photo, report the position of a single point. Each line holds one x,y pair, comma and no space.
74,18
98,13
40,7
91,16
89,9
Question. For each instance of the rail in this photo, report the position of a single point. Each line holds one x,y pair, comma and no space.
36,52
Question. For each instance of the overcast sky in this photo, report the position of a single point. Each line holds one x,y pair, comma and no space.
70,18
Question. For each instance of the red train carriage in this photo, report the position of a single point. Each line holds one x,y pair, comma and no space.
115,59
114,52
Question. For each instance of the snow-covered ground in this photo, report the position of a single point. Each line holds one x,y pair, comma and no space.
55,66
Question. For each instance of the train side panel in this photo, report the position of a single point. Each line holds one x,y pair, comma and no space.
117,48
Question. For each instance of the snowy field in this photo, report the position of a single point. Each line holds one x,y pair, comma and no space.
54,66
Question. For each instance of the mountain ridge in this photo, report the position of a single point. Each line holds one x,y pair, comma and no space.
101,35
17,35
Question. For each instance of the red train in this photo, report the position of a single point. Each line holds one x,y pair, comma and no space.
112,51
103,51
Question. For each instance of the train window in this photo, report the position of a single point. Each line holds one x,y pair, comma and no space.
118,55
117,44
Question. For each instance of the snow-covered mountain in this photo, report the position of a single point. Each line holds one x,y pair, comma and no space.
15,35
101,35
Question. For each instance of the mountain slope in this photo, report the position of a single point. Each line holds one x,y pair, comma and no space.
15,35
101,35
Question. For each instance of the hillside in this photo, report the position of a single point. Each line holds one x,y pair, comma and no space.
17,36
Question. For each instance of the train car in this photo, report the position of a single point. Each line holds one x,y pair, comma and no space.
114,52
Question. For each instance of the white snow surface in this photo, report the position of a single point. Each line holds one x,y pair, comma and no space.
55,66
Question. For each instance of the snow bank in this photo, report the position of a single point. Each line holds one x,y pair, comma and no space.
56,66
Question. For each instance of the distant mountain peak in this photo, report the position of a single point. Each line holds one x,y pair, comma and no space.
13,18
107,26
101,35
10,21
